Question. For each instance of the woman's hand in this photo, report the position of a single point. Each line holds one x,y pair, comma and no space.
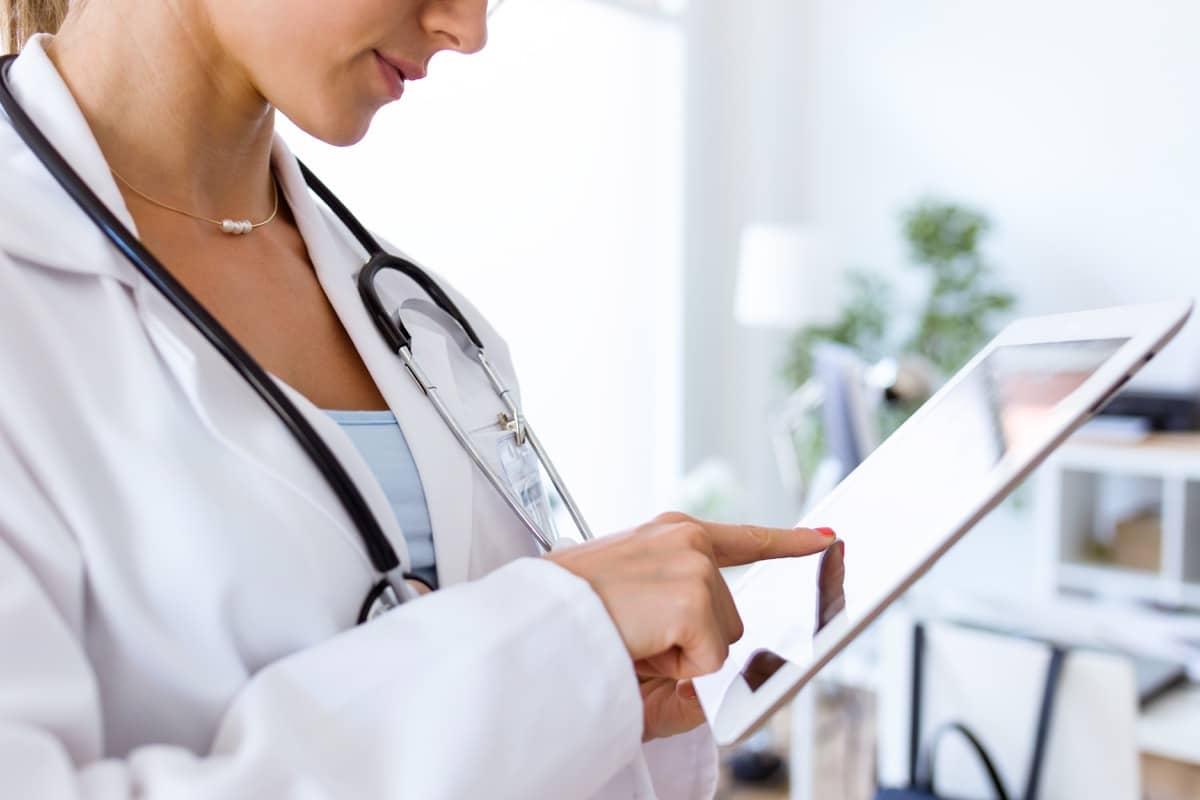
669,707
661,585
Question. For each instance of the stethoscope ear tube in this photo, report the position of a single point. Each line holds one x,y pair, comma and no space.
390,327
381,259
379,549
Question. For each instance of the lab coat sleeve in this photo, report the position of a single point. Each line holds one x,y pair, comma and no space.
683,767
516,685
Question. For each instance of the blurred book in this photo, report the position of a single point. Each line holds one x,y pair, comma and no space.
1137,542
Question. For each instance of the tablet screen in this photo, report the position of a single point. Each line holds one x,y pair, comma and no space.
923,482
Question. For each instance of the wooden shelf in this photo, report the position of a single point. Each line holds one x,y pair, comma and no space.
1160,455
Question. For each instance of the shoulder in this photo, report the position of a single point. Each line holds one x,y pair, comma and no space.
29,195
27,191
40,225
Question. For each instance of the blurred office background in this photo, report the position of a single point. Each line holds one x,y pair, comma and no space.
588,180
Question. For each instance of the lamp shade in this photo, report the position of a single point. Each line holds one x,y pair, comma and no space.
784,278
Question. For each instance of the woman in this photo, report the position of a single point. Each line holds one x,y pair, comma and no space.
178,585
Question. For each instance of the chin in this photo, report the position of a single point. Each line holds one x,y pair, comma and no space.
341,133
341,128
343,136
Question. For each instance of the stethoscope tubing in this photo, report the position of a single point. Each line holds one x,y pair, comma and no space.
381,259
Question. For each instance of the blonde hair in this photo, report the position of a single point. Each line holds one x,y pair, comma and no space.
20,19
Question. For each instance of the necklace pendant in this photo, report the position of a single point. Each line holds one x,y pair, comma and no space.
237,227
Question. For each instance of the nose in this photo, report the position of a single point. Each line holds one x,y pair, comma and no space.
459,25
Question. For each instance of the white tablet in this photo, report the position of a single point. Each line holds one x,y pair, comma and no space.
920,491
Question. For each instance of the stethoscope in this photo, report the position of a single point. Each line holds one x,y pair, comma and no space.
392,588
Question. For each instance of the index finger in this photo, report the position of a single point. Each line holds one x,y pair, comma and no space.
743,544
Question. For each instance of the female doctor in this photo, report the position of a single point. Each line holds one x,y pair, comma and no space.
178,584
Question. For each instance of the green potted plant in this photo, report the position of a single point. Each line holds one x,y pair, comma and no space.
960,313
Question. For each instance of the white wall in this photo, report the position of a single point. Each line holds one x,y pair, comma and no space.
1075,124
743,164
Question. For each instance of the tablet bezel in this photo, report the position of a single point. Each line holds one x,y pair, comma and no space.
1146,327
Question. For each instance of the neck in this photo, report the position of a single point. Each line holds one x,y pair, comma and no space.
172,114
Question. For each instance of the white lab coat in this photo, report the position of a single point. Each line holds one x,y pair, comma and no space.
178,586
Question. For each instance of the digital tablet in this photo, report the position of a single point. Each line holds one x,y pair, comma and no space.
919,492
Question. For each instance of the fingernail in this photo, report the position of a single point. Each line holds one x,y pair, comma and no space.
841,546
826,532
687,690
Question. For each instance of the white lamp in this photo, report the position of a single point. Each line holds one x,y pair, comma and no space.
785,278
785,281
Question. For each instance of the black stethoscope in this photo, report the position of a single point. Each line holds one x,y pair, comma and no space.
391,589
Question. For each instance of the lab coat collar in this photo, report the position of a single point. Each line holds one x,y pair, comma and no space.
445,469
29,194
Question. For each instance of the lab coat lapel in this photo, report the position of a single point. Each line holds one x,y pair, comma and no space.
446,471
233,412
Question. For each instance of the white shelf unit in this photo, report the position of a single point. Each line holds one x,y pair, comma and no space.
1069,494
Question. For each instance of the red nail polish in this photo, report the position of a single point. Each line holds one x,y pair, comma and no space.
826,532
841,546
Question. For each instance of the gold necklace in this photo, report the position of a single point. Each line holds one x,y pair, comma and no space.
236,227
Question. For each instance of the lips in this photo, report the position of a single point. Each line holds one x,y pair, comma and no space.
408,70
396,72
393,78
